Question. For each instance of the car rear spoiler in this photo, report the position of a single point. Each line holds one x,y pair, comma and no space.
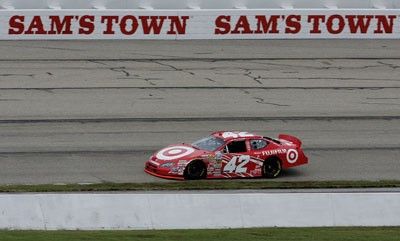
290,138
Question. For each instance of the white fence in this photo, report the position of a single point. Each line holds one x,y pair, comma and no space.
199,4
172,211
199,19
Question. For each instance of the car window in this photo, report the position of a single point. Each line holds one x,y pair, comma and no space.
209,143
237,147
258,144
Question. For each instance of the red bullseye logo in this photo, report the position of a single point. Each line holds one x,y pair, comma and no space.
174,152
292,155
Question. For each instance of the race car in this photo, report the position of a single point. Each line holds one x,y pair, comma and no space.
228,154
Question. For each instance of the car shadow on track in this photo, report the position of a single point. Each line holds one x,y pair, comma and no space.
291,173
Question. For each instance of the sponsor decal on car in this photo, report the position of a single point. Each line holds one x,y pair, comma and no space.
230,134
256,171
274,152
292,155
177,170
174,152
182,162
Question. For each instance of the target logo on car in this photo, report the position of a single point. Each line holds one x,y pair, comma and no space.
292,155
174,152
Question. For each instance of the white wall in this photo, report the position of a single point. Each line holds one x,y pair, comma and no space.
48,19
200,24
172,211
190,4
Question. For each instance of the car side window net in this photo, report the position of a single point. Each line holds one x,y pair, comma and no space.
237,147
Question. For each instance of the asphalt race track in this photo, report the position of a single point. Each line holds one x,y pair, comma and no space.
93,111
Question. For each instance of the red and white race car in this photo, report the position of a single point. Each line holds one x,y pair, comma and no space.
228,154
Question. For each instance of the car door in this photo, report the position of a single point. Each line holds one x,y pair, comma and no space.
236,157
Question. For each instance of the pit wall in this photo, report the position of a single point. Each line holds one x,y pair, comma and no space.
197,211
199,19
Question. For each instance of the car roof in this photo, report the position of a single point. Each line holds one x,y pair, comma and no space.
232,135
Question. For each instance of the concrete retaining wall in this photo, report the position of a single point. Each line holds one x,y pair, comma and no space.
172,211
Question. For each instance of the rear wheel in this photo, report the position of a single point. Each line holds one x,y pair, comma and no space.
272,167
195,170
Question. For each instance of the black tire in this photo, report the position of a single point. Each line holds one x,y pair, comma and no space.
195,170
272,167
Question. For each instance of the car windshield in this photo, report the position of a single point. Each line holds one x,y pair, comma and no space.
210,143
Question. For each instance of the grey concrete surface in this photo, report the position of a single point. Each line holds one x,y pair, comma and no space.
65,152
185,103
118,166
201,74
199,49
149,136
93,111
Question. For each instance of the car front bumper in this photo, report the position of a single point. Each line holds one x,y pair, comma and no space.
158,171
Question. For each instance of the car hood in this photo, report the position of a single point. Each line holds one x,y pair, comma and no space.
178,152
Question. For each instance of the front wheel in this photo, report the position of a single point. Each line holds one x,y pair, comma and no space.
272,168
195,170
